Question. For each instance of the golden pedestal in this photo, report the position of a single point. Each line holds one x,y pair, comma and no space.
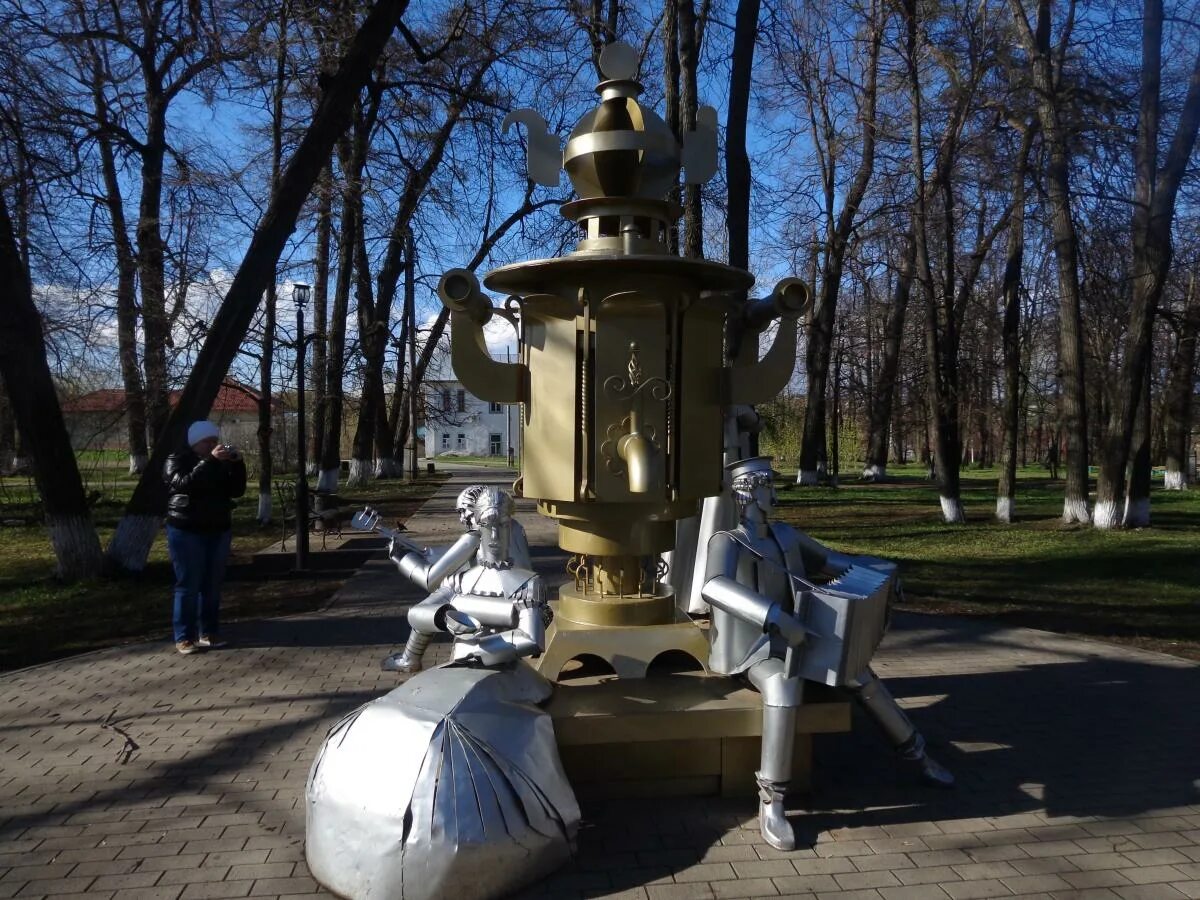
686,734
628,649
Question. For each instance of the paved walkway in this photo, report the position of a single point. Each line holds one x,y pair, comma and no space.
135,772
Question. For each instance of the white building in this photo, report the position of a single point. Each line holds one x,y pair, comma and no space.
458,423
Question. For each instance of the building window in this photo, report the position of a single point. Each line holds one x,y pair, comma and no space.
494,444
462,441
446,440
445,399
494,407
462,400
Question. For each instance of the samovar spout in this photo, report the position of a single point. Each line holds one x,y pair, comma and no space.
639,454
470,309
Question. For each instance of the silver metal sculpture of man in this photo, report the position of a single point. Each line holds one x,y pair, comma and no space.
496,593
775,627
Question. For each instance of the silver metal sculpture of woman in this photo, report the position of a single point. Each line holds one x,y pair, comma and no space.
496,592
451,784
776,628
428,568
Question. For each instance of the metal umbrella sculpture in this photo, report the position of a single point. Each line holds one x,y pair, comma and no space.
449,786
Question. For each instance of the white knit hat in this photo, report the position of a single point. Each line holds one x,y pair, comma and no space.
198,431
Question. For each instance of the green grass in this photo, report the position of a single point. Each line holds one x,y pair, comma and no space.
1140,586
42,619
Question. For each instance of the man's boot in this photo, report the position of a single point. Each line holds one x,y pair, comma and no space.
776,830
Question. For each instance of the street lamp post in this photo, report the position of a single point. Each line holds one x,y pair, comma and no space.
300,297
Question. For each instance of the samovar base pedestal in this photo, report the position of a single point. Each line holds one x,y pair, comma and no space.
628,649
676,735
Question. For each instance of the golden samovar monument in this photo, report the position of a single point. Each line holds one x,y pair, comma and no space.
624,376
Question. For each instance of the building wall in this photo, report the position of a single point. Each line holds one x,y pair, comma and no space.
466,425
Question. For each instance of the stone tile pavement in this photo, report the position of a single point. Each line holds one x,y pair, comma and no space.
138,773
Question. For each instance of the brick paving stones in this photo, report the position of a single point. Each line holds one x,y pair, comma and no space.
1078,768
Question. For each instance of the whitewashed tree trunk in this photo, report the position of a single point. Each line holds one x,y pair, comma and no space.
1004,510
264,507
388,467
131,542
1174,479
1107,515
1137,512
76,547
875,473
808,477
137,463
1075,511
360,473
328,480
952,511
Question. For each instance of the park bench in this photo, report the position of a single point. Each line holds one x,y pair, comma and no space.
324,512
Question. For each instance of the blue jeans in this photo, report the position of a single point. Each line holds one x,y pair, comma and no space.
199,561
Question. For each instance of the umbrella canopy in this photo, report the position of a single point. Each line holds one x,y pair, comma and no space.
448,786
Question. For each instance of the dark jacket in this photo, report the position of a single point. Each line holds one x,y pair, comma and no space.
201,491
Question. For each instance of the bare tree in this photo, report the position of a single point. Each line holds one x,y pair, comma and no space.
816,76
881,405
1046,70
39,418
1014,265
1154,194
266,390
136,531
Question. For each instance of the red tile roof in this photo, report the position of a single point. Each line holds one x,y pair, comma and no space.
233,397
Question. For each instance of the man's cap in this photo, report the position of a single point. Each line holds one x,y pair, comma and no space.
198,431
752,465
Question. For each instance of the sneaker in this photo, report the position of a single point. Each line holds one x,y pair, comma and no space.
187,648
210,642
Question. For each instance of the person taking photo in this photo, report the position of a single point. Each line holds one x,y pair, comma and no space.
203,480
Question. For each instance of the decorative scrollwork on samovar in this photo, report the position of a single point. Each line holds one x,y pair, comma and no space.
634,447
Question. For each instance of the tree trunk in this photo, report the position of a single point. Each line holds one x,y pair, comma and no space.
1155,191
1006,489
320,359
941,341
266,409
34,402
131,543
1137,499
690,38
880,412
126,290
372,337
1177,408
151,258
8,432
1073,395
335,347
670,32
737,161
